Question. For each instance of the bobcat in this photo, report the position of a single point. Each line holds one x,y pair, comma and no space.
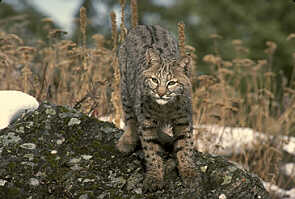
156,93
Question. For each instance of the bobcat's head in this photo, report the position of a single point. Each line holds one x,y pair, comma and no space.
166,79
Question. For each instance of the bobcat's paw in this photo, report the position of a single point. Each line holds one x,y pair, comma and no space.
190,178
192,183
151,184
125,147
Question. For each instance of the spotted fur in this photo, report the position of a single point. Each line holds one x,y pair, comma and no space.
156,93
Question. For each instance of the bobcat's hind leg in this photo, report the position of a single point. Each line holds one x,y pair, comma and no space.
129,140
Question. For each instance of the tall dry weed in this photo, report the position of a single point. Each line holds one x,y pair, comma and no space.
116,99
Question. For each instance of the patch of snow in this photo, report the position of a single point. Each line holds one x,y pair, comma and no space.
226,140
109,118
234,140
288,169
290,146
281,193
13,104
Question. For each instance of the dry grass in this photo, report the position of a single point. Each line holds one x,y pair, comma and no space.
244,93
240,92
60,70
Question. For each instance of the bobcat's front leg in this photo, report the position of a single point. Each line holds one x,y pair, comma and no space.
129,139
183,147
153,161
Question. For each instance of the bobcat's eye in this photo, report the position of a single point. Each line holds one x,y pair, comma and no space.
154,80
171,83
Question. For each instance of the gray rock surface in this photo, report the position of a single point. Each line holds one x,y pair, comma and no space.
58,152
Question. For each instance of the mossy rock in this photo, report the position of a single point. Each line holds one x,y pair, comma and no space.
58,152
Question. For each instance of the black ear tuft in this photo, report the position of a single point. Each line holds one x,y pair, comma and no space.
152,56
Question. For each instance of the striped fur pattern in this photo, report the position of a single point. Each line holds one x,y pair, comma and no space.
156,93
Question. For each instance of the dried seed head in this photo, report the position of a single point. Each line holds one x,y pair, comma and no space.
122,2
291,36
26,49
227,63
56,33
215,36
15,38
181,38
67,44
99,39
241,49
134,18
271,47
5,60
123,5
237,42
83,20
212,59
267,92
114,29
262,62
190,48
243,62
269,74
206,80
225,71
123,30
289,90
47,20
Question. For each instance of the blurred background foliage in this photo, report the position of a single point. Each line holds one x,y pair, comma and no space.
252,23
23,19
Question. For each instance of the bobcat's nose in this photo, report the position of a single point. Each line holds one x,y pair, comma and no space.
161,91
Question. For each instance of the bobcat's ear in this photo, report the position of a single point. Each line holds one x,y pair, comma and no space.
185,63
151,56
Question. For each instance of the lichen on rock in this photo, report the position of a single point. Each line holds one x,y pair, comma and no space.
56,156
